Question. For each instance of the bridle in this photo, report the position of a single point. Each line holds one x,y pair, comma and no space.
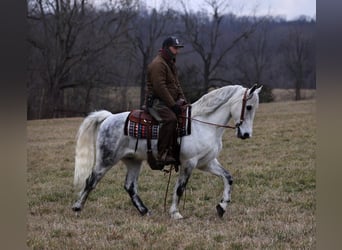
242,115
237,125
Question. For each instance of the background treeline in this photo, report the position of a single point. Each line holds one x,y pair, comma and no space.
84,58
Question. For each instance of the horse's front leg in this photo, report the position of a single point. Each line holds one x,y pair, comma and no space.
131,184
216,168
184,175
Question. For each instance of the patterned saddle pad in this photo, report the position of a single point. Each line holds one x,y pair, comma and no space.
138,121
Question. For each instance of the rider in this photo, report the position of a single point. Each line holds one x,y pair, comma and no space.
164,96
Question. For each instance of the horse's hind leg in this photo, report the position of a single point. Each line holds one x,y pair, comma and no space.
96,175
216,168
131,184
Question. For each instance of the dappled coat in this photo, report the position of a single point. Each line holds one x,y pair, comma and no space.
162,81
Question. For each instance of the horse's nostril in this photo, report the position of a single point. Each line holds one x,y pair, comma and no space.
246,135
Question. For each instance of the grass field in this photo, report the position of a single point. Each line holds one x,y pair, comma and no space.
273,198
281,95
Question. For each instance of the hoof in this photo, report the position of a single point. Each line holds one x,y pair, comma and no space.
220,211
176,216
76,208
144,212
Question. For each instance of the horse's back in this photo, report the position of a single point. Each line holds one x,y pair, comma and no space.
115,121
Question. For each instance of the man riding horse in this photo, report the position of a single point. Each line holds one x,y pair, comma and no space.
164,97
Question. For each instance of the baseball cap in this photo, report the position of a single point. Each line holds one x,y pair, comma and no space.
172,41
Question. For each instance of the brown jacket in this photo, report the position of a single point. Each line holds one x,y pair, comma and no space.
162,82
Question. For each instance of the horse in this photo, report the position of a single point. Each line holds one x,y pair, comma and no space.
101,144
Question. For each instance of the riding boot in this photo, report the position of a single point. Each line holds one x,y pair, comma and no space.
167,133
166,158
166,139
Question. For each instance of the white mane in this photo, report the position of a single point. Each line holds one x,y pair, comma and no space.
214,99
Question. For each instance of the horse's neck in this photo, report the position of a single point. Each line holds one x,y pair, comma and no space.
221,116
215,107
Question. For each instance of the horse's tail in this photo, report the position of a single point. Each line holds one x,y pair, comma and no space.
86,147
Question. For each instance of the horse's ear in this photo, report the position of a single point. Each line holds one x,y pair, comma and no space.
255,89
252,89
259,89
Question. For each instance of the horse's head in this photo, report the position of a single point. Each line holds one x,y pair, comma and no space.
243,112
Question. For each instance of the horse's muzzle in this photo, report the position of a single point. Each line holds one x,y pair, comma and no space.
242,136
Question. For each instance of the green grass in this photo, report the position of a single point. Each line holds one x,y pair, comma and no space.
273,197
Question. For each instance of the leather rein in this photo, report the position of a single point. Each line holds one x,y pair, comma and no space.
242,115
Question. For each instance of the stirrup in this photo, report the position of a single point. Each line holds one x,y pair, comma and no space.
173,166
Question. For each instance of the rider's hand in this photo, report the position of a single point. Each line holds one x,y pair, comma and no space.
181,102
176,109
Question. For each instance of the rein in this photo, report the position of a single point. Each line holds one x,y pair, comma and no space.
209,123
167,188
242,116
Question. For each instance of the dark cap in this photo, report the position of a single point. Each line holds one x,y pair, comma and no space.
172,41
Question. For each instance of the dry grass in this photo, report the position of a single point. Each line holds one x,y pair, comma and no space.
281,95
273,199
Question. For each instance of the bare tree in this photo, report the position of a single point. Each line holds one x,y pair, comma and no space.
297,51
253,56
146,31
206,35
79,52
67,34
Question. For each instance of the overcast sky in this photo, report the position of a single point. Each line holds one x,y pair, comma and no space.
290,9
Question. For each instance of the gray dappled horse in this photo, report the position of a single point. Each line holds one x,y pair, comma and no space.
101,144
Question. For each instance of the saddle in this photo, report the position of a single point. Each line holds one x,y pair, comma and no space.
141,125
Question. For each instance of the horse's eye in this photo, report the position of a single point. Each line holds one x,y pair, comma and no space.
249,107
